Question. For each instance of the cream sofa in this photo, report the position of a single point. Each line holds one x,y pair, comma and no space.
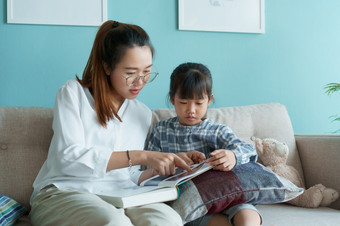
25,134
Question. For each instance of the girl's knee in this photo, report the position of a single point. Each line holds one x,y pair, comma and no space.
247,217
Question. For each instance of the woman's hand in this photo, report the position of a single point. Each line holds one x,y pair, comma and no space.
192,157
146,175
164,163
222,159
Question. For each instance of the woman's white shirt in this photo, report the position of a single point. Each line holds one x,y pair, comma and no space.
81,148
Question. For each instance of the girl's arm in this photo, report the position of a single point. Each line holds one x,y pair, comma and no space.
231,150
222,159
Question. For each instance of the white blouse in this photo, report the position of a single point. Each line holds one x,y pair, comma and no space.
80,148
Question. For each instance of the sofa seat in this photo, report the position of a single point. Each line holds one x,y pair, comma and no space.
279,215
288,215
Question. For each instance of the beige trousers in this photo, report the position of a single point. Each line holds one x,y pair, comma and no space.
52,206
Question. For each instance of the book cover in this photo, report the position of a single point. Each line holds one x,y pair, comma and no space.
139,195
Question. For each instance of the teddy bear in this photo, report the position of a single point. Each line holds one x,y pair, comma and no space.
274,156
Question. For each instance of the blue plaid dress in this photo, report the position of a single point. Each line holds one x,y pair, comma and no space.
172,137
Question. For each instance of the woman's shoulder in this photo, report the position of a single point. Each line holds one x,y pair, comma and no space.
72,87
72,90
72,84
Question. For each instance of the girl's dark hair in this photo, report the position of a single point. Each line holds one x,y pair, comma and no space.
110,45
189,80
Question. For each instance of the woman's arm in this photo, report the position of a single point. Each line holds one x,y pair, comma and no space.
162,163
82,147
72,152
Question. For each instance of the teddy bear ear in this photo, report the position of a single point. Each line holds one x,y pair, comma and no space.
255,139
258,146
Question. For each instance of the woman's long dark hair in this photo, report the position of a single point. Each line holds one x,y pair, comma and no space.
110,45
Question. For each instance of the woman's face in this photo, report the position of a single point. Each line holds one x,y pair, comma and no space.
137,60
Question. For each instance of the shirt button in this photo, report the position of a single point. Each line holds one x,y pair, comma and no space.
4,147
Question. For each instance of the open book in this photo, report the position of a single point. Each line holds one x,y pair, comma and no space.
156,189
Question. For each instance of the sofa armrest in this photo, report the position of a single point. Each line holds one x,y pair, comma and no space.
320,160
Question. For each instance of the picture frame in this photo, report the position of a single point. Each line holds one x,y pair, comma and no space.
245,16
57,12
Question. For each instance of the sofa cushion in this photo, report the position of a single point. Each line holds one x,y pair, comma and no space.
320,155
214,191
26,133
260,120
10,210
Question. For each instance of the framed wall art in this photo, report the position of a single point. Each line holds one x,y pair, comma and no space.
57,12
246,16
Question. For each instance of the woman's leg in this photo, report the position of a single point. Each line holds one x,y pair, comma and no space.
52,206
158,214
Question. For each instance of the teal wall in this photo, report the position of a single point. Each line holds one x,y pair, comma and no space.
291,63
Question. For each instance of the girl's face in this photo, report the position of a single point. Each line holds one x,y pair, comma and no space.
191,111
137,60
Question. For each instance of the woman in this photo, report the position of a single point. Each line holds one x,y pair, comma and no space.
99,130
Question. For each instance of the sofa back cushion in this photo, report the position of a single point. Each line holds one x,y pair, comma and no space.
260,120
25,135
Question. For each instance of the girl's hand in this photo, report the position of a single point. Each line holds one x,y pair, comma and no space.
222,159
192,157
164,163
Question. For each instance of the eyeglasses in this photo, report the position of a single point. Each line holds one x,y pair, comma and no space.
132,79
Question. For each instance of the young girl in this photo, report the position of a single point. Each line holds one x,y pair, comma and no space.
99,129
191,94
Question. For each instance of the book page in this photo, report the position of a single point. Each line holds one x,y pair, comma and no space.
155,180
180,175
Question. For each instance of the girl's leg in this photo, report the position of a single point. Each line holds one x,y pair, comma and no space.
158,214
243,214
210,220
239,215
244,217
219,220
247,217
52,206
